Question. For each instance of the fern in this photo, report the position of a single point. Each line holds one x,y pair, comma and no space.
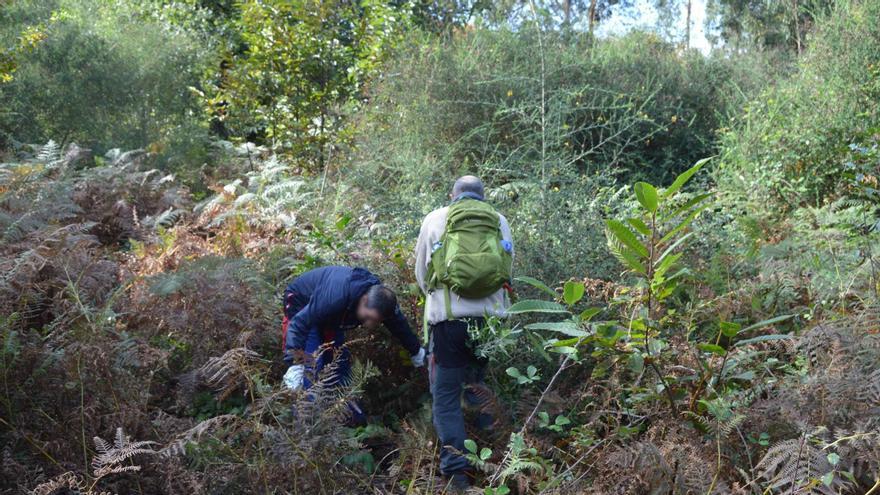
126,351
268,194
520,458
50,154
18,227
797,466
214,270
166,219
230,371
111,456
64,483
720,427
177,446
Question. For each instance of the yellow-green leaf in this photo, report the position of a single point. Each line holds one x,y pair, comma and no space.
647,196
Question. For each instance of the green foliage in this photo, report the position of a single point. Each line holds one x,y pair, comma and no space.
628,108
304,63
478,457
495,340
101,74
268,193
530,376
766,25
650,252
520,458
125,305
557,425
787,149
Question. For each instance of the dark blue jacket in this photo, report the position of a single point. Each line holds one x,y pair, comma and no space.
328,298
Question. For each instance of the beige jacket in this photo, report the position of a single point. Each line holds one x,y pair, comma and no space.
430,233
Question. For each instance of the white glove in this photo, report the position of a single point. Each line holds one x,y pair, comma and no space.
418,359
294,377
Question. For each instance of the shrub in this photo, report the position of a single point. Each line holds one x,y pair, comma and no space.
550,144
103,74
789,144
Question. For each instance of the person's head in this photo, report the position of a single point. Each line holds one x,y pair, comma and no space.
467,184
375,306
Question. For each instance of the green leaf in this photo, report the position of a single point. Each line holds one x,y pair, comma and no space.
570,328
572,292
647,196
571,351
470,445
485,453
626,237
671,248
833,458
767,323
746,376
627,257
640,226
567,342
729,329
610,330
537,284
762,338
589,313
686,206
684,177
662,268
536,306
828,478
362,459
674,276
683,224
513,372
636,362
343,222
562,420
714,349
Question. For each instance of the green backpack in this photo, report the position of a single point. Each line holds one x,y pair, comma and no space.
471,259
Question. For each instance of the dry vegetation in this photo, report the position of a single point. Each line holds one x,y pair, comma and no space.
158,322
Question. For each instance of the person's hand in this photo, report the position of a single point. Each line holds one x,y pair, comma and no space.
418,359
294,377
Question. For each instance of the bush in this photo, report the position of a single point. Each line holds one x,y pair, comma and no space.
789,144
551,145
101,73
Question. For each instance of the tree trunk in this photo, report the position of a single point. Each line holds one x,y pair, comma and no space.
592,15
687,29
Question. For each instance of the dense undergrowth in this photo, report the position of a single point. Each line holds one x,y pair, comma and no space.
680,328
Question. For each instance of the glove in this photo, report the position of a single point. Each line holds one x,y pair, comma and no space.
294,377
418,359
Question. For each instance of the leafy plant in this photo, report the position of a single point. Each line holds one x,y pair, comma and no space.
648,246
477,457
304,62
557,425
530,376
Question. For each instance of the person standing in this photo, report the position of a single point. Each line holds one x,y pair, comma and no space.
463,265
